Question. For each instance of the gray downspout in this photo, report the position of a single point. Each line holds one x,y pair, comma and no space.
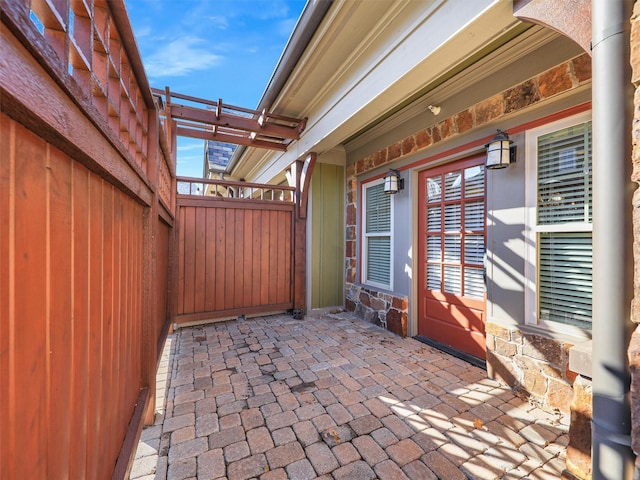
612,456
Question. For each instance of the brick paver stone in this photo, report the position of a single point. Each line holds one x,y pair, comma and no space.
226,437
346,453
251,418
384,437
365,425
233,407
211,465
389,470
260,400
398,427
279,474
283,436
230,421
301,470
538,435
308,412
482,467
339,414
183,435
369,449
174,423
236,451
281,420
442,467
246,468
306,433
259,440
207,424
144,466
357,470
321,458
182,469
417,469
404,452
284,455
188,449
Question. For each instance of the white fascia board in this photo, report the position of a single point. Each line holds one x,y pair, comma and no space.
433,44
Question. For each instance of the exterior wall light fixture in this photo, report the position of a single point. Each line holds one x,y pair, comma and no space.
392,182
500,152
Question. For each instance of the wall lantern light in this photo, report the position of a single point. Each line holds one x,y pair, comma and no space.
500,153
392,182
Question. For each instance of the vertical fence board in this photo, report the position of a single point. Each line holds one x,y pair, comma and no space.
60,311
265,259
200,273
182,227
30,328
230,262
30,332
120,332
189,260
210,261
237,278
80,358
107,301
273,257
256,290
221,258
7,219
94,447
247,267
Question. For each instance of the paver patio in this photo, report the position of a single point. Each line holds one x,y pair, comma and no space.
338,398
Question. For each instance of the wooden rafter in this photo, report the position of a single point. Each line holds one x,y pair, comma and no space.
214,120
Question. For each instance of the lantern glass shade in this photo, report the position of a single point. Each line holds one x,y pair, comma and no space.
391,183
499,153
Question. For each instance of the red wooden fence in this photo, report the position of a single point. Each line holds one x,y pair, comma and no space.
235,255
86,214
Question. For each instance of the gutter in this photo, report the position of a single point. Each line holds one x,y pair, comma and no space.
307,25
612,455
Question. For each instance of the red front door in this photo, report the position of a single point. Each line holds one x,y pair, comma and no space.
451,254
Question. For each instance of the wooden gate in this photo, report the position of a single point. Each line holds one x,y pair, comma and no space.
235,252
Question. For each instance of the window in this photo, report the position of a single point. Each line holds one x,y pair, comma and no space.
377,258
560,223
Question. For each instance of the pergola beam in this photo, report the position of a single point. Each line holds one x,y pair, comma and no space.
213,120
217,135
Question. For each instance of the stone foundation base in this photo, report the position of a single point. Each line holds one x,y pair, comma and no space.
384,309
534,364
579,448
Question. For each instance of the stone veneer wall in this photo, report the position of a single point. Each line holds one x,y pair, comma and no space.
634,347
391,310
380,308
531,363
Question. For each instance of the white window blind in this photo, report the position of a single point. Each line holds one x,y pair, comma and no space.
564,216
377,241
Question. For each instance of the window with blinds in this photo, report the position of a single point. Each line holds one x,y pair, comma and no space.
563,225
377,236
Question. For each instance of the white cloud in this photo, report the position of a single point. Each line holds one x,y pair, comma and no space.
221,23
181,57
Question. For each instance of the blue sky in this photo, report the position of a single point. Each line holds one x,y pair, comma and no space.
212,49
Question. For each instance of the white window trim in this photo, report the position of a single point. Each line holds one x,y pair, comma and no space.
531,229
365,235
